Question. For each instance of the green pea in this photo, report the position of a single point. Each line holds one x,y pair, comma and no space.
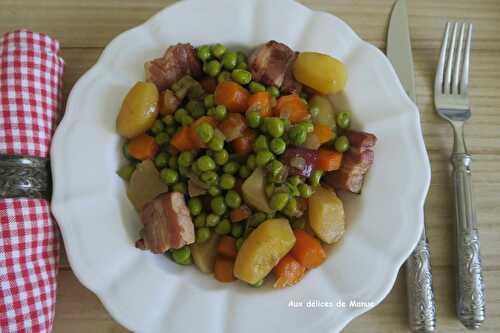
298,223
295,180
197,111
205,163
342,144
169,176
231,167
253,119
126,171
273,91
260,143
171,130
218,205
179,114
305,190
239,243
195,206
221,157
291,207
209,177
214,190
241,76
251,162
161,160
275,127
258,284
223,227
162,138
233,199
279,200
185,159
263,157
212,68
256,219
262,127
218,50
223,76
183,171
186,120
297,135
244,172
241,57
256,87
179,187
230,60
227,181
278,146
269,190
212,220
200,220
274,167
216,144
315,177
208,101
293,190
220,112
210,111
205,132
343,119
202,235
242,66
181,255
307,126
172,162
314,111
204,53
237,230
158,126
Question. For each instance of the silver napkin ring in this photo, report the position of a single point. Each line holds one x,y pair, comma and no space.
24,177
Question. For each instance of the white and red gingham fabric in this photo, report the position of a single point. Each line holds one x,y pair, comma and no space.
30,104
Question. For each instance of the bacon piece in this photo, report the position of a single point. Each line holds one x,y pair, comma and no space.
167,223
168,102
360,140
179,60
272,64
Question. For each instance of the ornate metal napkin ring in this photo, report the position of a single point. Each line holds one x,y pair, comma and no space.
24,177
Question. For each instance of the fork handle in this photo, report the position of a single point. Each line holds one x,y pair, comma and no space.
470,300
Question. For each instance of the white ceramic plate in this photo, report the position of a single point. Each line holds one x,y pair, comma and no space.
148,293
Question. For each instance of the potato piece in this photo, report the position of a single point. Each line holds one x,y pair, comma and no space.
204,253
326,215
145,184
139,110
326,114
254,191
320,72
263,249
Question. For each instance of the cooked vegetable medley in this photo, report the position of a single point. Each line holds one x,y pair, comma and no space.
234,161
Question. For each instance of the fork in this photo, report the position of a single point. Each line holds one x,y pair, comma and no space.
451,100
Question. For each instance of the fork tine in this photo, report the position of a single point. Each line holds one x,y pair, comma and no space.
451,60
456,76
464,82
438,81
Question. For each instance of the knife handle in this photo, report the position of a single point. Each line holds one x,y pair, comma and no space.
421,303
470,285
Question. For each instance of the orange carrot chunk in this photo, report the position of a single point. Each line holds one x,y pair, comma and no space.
291,107
143,147
323,133
288,272
233,96
243,145
182,140
223,269
328,160
307,250
227,247
261,102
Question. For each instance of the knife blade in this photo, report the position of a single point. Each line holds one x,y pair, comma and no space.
421,302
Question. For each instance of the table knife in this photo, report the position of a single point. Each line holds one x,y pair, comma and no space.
421,303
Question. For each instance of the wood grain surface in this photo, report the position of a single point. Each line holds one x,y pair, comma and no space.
85,27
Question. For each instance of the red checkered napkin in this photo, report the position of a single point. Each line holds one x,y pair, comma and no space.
30,102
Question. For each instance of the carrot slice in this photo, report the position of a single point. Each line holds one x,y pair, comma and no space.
244,144
142,147
239,214
328,160
307,250
291,107
323,133
261,102
182,140
223,269
227,247
288,272
233,96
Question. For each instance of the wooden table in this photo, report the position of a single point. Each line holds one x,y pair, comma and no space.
85,27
